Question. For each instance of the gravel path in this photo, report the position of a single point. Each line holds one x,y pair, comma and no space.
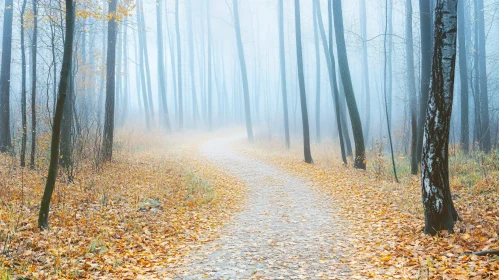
285,230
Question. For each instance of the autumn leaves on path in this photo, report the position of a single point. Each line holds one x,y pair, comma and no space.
284,230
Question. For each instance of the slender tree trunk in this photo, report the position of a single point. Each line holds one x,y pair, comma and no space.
301,80
484,97
463,71
439,210
244,73
66,125
317,79
54,147
282,61
138,81
143,80
331,66
161,66
360,155
195,109
478,133
107,141
426,51
387,65
179,70
145,53
172,63
23,89
210,69
389,37
33,86
411,84
365,69
5,138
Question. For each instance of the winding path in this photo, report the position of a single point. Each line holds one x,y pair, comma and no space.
284,231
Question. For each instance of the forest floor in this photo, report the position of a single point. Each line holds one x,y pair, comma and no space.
383,220
190,206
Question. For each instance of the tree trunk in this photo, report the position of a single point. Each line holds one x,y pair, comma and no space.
195,109
179,72
365,68
360,155
210,69
33,86
23,89
107,141
161,66
476,81
67,125
389,61
282,61
54,147
5,138
301,80
426,51
244,73
172,63
331,66
411,84
145,53
463,71
437,201
484,97
317,78
143,79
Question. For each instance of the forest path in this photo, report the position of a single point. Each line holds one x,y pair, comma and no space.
285,229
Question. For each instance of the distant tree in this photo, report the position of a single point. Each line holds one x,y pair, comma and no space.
301,80
5,138
317,77
439,210
282,62
112,30
365,68
485,142
24,139
195,109
33,84
141,66
426,51
411,84
63,87
331,66
179,70
386,87
172,63
210,67
389,60
161,66
145,53
244,73
360,154
463,72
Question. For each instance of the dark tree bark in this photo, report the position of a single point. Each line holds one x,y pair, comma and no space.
317,78
63,87
179,71
411,84
485,142
107,141
24,140
365,68
426,50
66,146
282,61
463,71
244,73
437,201
161,66
33,86
476,81
360,155
5,138
331,66
301,80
